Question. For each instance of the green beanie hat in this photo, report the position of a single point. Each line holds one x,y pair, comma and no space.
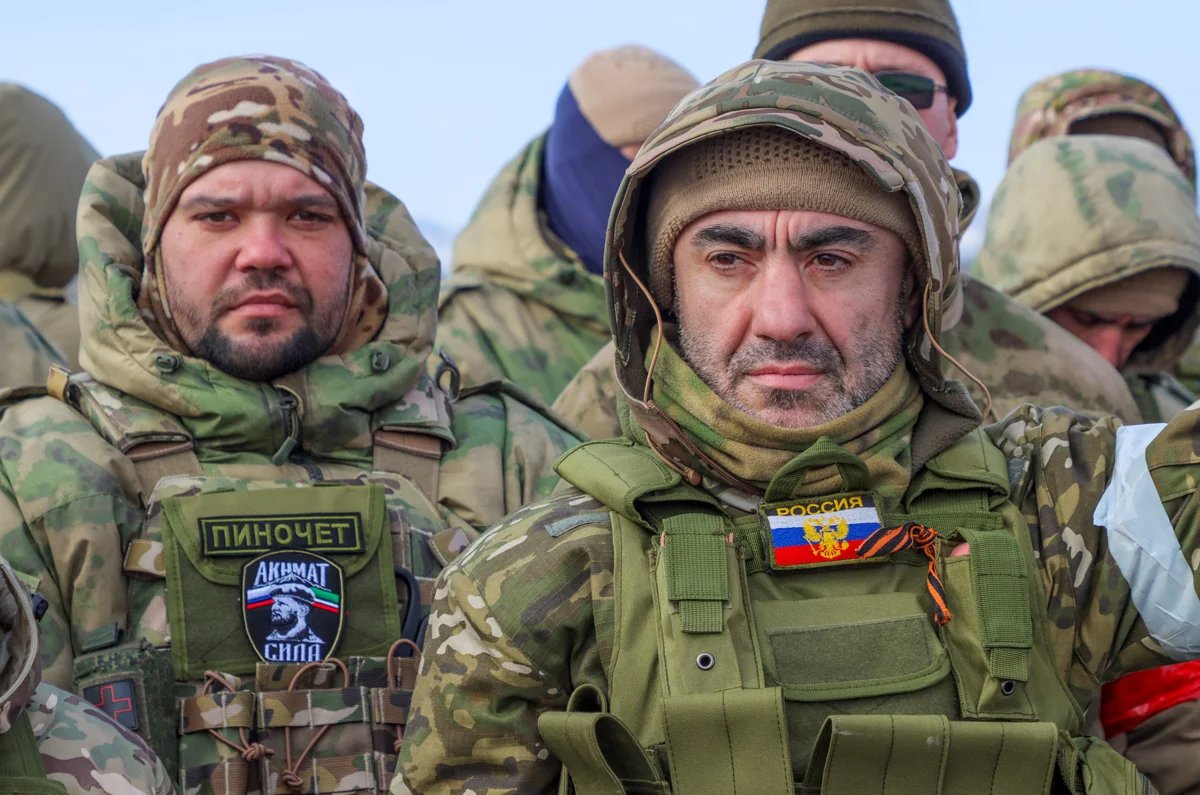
927,26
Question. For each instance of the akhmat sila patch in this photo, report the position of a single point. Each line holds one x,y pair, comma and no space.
819,531
292,606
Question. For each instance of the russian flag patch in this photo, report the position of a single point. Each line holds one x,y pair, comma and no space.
818,531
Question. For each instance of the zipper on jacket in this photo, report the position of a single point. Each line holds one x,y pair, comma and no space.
289,405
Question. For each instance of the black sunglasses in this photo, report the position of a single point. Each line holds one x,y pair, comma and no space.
917,89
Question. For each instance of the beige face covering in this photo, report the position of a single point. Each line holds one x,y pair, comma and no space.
259,108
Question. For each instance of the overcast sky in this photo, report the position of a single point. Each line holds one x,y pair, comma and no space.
451,89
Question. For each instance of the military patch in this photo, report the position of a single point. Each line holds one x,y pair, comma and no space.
818,531
117,700
292,606
251,535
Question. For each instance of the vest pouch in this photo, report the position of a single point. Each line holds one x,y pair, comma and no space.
260,571
320,736
860,654
215,731
1090,766
135,687
930,754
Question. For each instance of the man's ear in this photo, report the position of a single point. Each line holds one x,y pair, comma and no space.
950,145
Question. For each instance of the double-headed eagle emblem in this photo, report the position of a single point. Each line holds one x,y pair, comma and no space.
827,535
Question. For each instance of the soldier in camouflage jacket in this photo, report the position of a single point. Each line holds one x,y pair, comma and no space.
676,618
254,471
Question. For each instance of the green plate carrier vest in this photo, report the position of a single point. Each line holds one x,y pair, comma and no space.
224,718
730,676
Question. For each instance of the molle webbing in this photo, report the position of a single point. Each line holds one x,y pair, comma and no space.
21,768
930,755
697,570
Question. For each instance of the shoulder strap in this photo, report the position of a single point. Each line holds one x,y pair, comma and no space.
617,472
416,456
154,441
21,767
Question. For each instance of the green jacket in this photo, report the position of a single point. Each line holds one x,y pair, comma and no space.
78,748
537,610
96,468
519,304
1078,212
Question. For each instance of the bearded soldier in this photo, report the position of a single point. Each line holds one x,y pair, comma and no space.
806,563
43,160
51,741
254,414
1100,234
526,301
917,52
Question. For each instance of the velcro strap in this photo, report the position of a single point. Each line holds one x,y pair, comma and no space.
929,754
999,579
697,568
390,706
216,711
145,557
733,741
312,708
324,775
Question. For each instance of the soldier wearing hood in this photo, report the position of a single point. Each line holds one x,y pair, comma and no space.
43,160
51,741
1099,101
1100,234
806,562
526,300
916,51
254,410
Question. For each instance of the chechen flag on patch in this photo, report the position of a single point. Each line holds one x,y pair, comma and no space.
825,530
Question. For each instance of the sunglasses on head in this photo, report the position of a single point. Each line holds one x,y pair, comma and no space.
917,89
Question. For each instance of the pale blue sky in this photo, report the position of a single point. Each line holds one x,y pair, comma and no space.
451,89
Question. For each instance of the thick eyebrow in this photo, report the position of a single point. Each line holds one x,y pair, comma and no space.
320,201
833,236
728,235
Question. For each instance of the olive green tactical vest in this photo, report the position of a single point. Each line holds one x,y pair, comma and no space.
265,604
732,673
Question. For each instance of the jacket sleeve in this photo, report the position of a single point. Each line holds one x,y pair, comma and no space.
1112,514
511,632
64,520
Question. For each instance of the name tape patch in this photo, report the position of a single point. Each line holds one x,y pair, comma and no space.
253,535
825,530
292,606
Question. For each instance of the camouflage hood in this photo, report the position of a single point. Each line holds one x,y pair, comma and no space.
19,668
842,108
337,393
1078,212
43,160
508,243
1049,107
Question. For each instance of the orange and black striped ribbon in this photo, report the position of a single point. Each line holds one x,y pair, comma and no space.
886,541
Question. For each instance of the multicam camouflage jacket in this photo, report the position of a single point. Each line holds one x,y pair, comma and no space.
533,611
43,160
96,470
519,304
28,354
1079,212
80,748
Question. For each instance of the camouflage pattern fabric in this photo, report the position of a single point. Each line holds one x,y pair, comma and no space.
43,160
73,503
528,613
1079,212
1050,106
27,354
81,749
519,304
